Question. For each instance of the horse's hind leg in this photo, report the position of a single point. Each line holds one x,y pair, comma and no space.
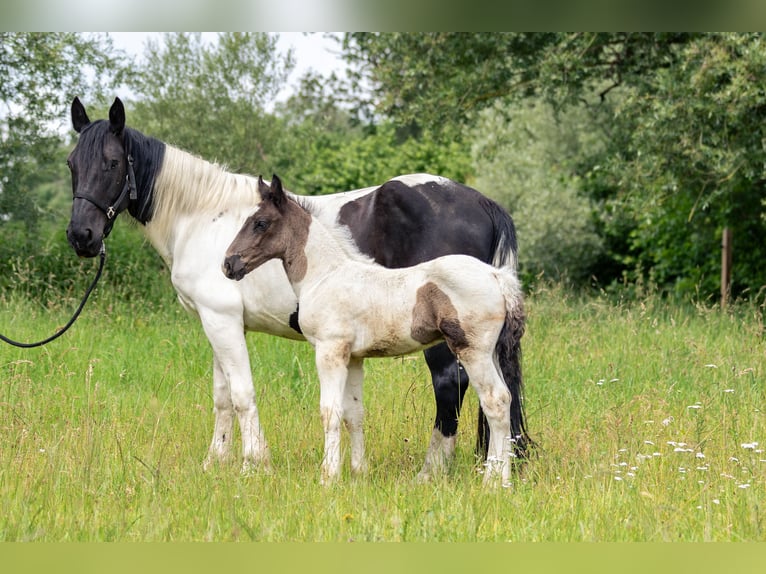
495,400
450,382
353,414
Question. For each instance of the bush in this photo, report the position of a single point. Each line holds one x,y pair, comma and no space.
43,267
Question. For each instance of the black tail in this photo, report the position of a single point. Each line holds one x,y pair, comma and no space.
508,349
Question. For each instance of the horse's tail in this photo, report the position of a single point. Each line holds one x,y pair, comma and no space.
508,350
504,243
508,355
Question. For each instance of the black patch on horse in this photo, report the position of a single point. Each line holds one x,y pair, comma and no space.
397,224
293,322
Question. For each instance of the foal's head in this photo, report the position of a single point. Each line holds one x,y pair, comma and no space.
275,227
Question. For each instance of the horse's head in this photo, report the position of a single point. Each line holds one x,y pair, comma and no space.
262,237
100,183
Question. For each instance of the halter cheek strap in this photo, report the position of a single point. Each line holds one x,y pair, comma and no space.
129,190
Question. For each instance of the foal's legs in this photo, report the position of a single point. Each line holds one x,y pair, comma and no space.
332,367
353,414
495,400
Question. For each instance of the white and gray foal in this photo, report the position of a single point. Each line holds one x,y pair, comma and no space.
351,308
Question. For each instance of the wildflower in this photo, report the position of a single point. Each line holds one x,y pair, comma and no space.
728,390
699,455
743,486
667,421
716,501
749,445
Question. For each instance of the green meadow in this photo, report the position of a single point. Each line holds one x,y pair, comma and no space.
650,421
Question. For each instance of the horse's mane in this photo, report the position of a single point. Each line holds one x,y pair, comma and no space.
189,184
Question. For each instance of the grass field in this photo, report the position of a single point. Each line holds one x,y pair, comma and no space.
650,421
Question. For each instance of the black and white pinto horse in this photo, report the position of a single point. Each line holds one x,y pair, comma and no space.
351,308
191,210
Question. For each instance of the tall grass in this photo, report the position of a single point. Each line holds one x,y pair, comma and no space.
649,419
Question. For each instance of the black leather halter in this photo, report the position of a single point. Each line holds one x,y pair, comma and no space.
129,191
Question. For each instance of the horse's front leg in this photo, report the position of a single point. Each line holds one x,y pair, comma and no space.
353,414
233,389
223,410
332,368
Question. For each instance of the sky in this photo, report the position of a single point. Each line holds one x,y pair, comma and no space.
311,51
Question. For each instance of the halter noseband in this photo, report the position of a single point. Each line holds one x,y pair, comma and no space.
129,190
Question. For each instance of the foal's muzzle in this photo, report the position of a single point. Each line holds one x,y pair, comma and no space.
234,267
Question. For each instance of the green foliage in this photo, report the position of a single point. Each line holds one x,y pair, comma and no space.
528,158
40,73
339,164
44,269
467,72
210,99
693,164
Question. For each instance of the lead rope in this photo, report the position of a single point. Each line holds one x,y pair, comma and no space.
65,328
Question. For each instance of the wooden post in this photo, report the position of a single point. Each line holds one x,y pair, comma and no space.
725,267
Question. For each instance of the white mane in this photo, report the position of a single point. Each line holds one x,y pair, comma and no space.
339,233
188,184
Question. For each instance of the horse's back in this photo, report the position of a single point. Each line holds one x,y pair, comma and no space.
414,218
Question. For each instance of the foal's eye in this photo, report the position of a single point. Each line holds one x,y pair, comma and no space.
113,164
260,225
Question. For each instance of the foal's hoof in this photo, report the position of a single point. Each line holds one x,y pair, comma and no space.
251,468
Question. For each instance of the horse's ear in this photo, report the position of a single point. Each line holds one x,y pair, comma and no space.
277,193
79,116
117,117
263,188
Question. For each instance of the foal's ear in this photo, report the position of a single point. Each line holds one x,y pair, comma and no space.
117,117
277,193
79,116
263,188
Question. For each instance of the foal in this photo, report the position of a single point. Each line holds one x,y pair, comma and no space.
351,308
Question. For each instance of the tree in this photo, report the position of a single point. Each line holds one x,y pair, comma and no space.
529,159
39,75
211,98
468,72
693,163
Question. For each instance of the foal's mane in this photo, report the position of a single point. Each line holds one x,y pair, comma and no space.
340,233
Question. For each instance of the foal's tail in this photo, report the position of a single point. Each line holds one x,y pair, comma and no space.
508,354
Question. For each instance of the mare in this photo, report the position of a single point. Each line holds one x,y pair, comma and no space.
190,210
350,308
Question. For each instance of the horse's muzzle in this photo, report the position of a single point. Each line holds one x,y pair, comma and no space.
83,241
234,267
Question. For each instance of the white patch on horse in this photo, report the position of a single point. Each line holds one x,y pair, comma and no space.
413,179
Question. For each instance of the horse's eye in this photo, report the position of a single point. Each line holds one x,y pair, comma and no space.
260,225
113,164
69,163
